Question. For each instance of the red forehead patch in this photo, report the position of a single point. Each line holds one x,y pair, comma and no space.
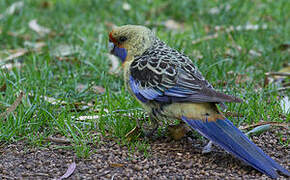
112,38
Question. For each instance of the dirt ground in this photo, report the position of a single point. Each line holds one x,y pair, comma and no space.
168,159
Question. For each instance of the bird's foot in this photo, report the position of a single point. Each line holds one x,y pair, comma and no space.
178,131
208,148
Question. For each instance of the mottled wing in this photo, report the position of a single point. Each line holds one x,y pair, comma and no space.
165,75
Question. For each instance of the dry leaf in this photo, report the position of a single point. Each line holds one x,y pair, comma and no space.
114,64
81,87
126,6
16,53
116,165
37,28
13,106
173,25
53,101
70,170
12,9
217,10
66,50
58,140
83,118
221,29
10,66
242,78
197,54
278,77
258,130
206,38
284,125
98,89
35,46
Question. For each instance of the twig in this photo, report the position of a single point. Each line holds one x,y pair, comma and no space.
13,106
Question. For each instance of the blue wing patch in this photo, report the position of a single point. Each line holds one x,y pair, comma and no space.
150,93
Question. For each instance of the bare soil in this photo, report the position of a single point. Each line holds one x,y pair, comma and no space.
168,159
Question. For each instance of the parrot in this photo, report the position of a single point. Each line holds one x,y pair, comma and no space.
169,86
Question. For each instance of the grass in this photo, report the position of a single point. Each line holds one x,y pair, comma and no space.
84,24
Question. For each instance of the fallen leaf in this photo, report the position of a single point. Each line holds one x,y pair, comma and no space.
222,29
173,25
242,78
98,89
277,77
66,50
258,130
16,53
35,46
206,38
10,66
58,140
12,9
13,106
217,10
116,165
197,54
81,87
284,125
70,170
83,118
53,101
114,64
38,28
285,104
126,6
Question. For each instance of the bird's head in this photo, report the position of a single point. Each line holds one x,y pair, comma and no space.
129,41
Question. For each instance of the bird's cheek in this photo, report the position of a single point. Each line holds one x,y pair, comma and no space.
120,52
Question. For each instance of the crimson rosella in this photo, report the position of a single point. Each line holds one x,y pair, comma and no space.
170,87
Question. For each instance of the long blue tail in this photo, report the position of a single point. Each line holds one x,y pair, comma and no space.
226,135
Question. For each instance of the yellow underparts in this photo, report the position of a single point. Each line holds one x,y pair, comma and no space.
196,111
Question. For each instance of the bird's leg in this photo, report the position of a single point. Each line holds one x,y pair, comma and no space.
178,131
153,128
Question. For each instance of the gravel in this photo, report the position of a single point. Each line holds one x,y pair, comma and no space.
168,159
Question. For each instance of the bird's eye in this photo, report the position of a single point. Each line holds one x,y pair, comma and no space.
122,39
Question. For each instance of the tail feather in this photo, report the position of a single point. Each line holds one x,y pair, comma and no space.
226,135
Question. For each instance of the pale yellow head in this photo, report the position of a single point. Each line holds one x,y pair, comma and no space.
134,39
